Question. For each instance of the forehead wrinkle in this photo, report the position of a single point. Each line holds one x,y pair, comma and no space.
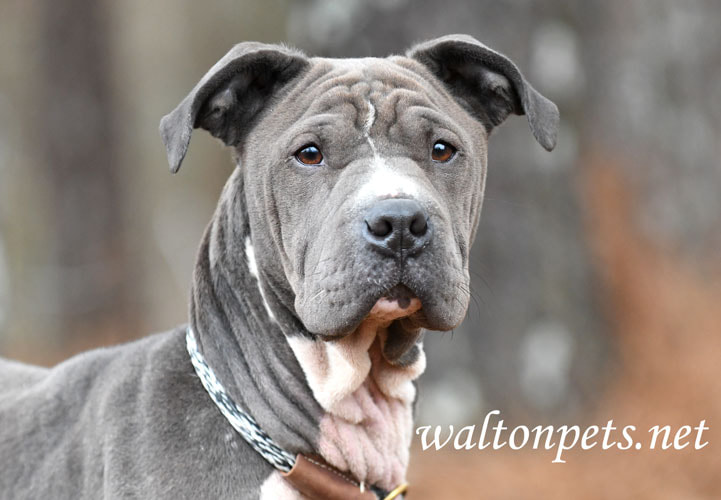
405,99
399,101
310,125
340,96
328,73
414,70
436,117
380,78
343,77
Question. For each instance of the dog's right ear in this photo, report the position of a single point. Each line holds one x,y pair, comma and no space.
488,84
228,99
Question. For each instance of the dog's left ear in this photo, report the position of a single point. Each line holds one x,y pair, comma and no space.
229,98
488,84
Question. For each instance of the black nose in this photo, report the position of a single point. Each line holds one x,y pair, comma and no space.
397,225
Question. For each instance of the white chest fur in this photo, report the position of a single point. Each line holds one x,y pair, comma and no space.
368,423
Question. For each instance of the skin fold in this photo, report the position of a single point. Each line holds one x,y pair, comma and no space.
313,325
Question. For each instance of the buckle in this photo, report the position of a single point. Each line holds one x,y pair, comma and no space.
399,490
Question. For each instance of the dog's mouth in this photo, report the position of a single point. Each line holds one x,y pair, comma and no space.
397,318
399,302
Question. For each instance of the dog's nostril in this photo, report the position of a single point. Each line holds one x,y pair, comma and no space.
397,225
380,227
419,225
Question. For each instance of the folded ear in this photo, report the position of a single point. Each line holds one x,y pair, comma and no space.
229,98
488,84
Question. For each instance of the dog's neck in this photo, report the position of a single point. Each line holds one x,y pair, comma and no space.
240,342
340,399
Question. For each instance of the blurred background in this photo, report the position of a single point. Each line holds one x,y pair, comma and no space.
596,270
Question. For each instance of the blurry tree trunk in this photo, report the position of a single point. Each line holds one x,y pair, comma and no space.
73,133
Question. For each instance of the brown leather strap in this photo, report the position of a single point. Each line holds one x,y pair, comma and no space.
318,480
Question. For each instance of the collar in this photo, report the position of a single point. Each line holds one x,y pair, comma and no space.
311,476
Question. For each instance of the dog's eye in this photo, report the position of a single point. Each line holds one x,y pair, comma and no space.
442,152
309,155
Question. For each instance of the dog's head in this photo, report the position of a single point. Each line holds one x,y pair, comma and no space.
363,178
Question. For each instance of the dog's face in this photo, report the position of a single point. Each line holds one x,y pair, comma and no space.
363,177
375,178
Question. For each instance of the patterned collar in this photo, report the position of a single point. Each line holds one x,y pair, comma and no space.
291,467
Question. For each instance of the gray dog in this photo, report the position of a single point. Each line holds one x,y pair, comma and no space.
343,233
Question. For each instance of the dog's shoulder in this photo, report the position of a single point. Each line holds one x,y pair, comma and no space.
82,420
82,374
131,419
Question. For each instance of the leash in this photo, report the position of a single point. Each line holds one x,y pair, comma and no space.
310,475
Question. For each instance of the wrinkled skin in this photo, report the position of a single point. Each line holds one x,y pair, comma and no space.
335,276
374,122
309,325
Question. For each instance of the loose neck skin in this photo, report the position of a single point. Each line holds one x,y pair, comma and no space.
339,399
245,347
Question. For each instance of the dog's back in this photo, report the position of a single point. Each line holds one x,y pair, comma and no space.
15,376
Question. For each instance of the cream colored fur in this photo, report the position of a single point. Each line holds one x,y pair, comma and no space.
367,427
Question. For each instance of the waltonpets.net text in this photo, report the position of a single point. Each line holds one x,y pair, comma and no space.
563,438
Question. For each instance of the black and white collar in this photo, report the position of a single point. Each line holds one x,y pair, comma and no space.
249,429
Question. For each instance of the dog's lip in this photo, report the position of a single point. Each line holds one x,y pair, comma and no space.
398,302
388,309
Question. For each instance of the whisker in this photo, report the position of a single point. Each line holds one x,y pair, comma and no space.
322,292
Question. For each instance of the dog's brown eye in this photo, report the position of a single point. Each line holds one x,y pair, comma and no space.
309,155
442,152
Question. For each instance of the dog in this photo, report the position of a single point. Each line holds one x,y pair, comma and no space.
342,235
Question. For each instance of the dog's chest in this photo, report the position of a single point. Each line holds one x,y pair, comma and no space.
368,421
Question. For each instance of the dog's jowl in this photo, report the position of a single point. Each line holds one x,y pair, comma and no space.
342,235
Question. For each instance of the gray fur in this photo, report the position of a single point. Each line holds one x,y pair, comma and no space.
133,421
